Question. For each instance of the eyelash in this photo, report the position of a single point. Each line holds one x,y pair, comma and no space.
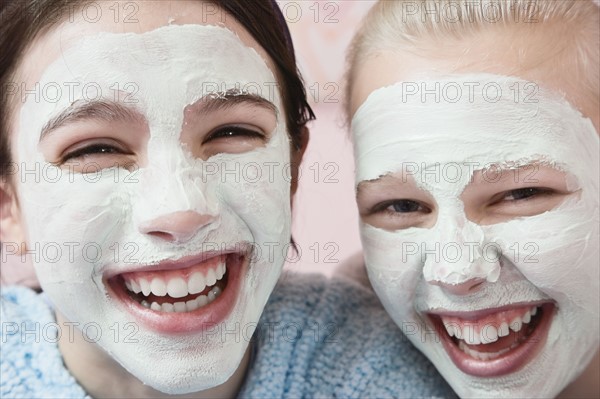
233,131
530,193
101,148
384,207
98,148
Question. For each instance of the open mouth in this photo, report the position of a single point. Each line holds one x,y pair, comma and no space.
496,343
178,290
182,296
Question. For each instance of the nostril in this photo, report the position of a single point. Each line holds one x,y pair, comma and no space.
162,235
476,286
176,226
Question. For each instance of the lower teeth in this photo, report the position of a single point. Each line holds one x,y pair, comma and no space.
484,355
189,306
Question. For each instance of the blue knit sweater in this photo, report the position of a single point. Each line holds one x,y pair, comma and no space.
317,338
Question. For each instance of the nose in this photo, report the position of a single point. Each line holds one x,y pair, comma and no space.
176,227
461,260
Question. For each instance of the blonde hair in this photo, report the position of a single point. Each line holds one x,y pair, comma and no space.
401,25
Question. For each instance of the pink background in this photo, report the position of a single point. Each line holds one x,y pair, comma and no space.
325,215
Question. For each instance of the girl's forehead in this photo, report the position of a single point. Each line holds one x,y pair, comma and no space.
473,121
159,73
117,18
386,68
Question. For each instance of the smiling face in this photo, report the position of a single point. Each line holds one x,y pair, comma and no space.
478,197
163,208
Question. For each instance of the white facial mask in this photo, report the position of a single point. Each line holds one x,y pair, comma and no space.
171,68
394,131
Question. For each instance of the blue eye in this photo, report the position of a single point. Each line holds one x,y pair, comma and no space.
405,206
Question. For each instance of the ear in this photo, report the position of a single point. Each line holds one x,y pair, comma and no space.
297,155
11,227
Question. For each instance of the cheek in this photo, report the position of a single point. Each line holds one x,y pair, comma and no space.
262,204
72,222
73,204
556,251
258,196
259,189
395,267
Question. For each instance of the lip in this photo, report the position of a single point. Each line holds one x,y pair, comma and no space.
182,263
201,319
507,363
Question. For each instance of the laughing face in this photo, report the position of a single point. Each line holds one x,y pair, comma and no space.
479,222
162,209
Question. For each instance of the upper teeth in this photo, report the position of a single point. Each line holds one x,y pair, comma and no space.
474,334
178,286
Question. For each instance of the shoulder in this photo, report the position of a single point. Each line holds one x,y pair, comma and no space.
354,269
30,362
331,337
311,299
309,292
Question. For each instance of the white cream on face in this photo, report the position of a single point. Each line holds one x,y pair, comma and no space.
170,67
395,131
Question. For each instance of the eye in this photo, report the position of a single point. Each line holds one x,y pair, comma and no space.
397,207
398,214
393,203
96,154
234,131
93,149
526,193
522,202
405,206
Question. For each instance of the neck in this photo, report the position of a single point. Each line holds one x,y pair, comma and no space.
102,377
587,385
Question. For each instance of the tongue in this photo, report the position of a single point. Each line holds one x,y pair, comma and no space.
503,342
169,299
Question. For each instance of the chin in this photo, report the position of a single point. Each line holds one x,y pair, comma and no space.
187,378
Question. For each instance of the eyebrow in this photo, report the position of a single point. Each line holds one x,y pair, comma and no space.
112,111
504,169
223,101
102,110
366,184
387,181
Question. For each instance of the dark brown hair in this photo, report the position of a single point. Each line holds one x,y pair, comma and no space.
21,21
